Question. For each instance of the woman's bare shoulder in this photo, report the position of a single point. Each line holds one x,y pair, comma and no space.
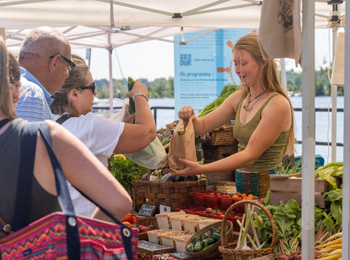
278,106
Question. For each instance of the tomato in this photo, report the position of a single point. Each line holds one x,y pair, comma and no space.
135,220
145,229
129,218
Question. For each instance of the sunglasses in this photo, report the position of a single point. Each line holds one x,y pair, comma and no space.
91,87
70,63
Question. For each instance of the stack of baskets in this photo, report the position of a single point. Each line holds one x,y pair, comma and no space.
228,249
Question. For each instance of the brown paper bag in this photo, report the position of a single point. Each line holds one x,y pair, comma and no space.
182,146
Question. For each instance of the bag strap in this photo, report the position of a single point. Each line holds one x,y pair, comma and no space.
67,204
29,138
25,177
63,118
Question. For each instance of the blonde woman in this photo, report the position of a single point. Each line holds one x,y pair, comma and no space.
79,165
263,120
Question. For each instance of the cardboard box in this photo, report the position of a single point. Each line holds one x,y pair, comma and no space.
283,189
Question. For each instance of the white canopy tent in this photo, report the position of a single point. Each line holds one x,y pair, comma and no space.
109,24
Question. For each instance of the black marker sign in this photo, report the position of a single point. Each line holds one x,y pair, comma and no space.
147,210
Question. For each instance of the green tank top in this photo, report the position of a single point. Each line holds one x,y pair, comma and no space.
272,157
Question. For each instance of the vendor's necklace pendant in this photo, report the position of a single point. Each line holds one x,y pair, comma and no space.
246,106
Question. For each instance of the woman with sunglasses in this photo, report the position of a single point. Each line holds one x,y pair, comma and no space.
72,108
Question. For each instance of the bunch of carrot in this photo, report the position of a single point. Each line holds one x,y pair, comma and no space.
331,249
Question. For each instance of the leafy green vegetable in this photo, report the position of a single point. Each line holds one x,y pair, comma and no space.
180,132
124,170
227,90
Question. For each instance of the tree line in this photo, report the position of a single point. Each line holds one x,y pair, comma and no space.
164,88
158,88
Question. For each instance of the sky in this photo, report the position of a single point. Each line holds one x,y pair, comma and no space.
155,59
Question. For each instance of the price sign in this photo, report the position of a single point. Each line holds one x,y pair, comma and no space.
147,210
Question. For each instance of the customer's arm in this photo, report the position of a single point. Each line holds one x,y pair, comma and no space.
137,136
82,169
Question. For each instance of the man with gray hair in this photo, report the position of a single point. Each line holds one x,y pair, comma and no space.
45,60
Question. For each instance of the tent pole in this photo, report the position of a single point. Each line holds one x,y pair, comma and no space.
346,174
308,130
334,102
110,81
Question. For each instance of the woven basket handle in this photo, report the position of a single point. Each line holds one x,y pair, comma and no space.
224,241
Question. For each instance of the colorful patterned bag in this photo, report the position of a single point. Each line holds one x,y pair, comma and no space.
62,235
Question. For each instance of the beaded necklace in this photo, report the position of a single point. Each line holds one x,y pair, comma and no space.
246,106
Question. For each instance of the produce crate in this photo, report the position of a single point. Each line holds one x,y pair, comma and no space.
221,136
172,194
289,187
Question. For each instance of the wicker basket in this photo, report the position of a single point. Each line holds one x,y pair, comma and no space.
221,136
211,252
227,248
172,194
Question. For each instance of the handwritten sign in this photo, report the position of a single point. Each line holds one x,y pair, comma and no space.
147,210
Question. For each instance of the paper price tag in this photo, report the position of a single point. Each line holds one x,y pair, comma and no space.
164,209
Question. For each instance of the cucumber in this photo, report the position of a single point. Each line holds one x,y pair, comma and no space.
209,241
202,237
214,230
131,83
198,246
195,240
205,244
216,236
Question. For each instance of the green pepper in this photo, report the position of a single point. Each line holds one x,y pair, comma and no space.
202,237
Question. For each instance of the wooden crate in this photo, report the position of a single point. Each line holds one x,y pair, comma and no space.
221,136
290,188
172,194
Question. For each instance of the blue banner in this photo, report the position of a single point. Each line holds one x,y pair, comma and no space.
203,67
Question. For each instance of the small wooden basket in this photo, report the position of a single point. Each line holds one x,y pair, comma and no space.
228,249
211,252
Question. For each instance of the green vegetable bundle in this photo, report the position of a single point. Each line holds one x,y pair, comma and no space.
124,170
227,90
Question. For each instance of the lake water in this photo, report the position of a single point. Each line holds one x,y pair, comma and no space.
323,123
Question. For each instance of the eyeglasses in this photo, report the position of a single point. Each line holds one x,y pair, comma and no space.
70,63
91,87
